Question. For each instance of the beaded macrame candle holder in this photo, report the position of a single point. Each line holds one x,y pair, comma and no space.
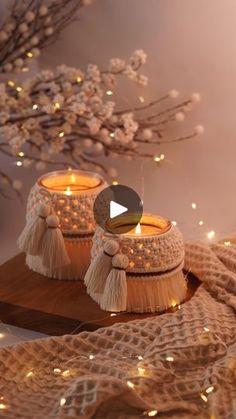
151,257
60,223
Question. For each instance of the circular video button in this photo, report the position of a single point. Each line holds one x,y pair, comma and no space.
118,209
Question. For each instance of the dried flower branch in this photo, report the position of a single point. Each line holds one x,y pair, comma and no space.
68,113
30,26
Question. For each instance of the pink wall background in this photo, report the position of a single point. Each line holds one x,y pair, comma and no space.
191,47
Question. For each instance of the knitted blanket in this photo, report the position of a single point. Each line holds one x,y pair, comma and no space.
180,365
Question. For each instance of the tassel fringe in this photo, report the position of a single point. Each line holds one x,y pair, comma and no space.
53,250
31,237
146,295
99,269
114,297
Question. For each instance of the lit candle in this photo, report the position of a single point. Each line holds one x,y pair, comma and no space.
70,182
150,226
155,252
70,194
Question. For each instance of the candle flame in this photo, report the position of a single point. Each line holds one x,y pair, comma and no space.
68,191
73,178
138,229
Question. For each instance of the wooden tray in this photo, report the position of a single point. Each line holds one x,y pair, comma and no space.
53,307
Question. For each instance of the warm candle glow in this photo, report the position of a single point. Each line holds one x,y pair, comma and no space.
73,178
138,229
149,225
70,182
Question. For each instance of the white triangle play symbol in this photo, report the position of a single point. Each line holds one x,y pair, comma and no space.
116,209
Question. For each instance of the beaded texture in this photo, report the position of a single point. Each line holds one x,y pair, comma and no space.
153,254
75,212
180,365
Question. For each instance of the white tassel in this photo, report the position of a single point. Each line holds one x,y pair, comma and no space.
53,250
114,297
99,268
31,237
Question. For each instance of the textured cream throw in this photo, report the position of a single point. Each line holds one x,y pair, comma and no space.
180,365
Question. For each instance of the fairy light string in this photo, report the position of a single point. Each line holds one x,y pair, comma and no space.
141,370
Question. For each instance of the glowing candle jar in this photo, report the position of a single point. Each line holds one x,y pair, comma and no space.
71,194
154,275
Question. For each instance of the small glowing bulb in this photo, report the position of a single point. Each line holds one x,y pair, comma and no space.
170,359
34,107
61,134
141,98
162,156
200,223
157,159
206,329
57,371
66,373
141,371
179,307
112,134
19,163
29,54
2,335
203,397
19,89
57,105
138,229
210,389
29,374
211,234
174,223
11,83
130,384
152,413
114,182
68,191
109,92
227,243
91,356
2,406
79,79
21,154
194,205
140,357
113,314
62,401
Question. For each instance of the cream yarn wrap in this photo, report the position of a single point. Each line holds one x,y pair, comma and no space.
77,224
154,276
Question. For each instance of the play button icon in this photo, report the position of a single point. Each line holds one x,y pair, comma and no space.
118,209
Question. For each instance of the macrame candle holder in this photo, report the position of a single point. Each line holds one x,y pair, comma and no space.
60,224
145,267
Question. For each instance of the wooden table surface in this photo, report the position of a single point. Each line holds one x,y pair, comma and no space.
35,302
